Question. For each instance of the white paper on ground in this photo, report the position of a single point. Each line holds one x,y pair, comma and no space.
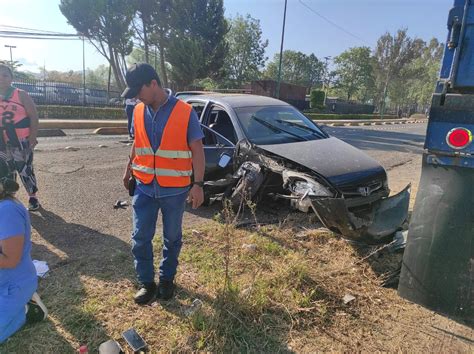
41,268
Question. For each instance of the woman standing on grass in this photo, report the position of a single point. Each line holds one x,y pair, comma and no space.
18,132
19,303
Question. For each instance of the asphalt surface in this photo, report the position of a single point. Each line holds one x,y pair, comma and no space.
80,176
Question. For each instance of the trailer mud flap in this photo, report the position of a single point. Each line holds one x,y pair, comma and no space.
376,225
438,263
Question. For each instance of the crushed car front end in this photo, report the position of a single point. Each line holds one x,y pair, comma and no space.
350,196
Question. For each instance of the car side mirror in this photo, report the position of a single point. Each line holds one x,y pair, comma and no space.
224,160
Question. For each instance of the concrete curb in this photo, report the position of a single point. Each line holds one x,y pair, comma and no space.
44,133
80,124
111,131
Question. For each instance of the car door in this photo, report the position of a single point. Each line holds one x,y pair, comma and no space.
219,138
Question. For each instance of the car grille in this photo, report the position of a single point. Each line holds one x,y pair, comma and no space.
362,190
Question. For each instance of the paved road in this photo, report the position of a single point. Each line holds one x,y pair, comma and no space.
397,147
390,145
79,187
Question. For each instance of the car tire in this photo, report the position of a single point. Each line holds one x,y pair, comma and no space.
245,189
207,199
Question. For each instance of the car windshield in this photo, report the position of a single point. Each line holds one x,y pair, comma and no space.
277,125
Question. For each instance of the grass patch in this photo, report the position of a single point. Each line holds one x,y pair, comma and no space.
283,294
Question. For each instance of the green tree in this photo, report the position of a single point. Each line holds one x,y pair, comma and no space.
71,76
392,55
107,25
152,26
415,84
15,66
246,54
138,55
317,98
160,33
354,73
142,24
297,68
196,47
427,67
99,78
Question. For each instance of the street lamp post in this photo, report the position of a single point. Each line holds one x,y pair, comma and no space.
11,55
277,93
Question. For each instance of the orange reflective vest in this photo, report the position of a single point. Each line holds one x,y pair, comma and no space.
14,121
171,164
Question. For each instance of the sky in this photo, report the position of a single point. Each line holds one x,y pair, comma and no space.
352,23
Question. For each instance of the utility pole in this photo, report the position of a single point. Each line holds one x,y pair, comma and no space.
83,70
11,55
277,93
326,78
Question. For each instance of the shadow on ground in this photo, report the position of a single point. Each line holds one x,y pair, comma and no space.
73,251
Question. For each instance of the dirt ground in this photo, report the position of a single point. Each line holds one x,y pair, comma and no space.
283,295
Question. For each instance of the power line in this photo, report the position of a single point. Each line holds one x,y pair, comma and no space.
333,23
48,35
44,38
37,35
30,29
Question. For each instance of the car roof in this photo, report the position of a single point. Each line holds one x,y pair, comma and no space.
192,92
239,100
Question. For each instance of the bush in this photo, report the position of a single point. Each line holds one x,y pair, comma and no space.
317,110
316,116
317,99
79,112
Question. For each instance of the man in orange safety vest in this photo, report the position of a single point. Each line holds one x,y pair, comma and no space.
167,162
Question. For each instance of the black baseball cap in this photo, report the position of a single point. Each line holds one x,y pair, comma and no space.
138,75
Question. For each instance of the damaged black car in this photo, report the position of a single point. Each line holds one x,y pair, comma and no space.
258,146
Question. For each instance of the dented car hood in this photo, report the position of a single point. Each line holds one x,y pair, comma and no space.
320,156
342,165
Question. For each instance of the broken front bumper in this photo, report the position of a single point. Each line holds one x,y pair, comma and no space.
377,223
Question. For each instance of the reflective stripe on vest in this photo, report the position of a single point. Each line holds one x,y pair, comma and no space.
171,164
164,153
161,171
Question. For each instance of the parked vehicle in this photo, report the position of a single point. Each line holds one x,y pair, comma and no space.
93,97
257,146
34,91
116,101
61,93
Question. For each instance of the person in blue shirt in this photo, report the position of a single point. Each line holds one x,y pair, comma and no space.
130,104
19,302
143,82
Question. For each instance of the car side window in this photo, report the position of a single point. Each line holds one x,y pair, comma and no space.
220,122
198,108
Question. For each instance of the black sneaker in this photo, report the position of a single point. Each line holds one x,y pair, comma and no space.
36,310
146,294
165,290
33,204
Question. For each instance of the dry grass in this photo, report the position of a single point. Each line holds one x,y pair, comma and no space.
284,295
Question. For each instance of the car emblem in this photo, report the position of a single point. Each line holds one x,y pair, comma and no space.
364,191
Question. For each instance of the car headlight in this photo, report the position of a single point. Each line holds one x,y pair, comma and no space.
312,189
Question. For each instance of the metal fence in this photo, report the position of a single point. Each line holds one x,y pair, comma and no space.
68,94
